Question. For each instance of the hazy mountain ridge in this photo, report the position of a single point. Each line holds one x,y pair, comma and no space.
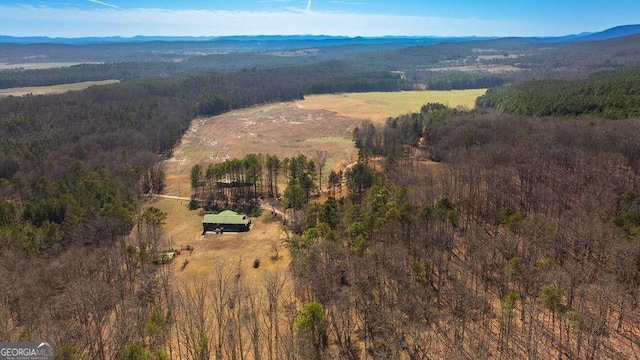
314,40
260,40
613,33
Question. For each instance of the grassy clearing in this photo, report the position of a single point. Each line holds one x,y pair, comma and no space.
378,106
182,225
53,89
321,123
239,250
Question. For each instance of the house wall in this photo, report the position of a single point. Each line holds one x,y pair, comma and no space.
225,227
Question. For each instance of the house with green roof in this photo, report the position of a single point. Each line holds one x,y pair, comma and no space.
225,221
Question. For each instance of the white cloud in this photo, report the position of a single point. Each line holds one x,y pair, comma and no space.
340,2
20,20
103,3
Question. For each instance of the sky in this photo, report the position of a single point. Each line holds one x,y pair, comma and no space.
127,18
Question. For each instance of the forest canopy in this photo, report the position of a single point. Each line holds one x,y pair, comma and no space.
610,94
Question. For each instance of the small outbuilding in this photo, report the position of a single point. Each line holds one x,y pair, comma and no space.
225,221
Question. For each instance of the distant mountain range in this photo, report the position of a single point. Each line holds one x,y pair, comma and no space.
616,32
312,40
612,33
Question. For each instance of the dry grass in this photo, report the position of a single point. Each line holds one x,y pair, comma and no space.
183,227
320,122
53,89
284,129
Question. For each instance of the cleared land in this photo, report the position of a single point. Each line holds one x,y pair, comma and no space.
41,65
323,123
183,227
493,69
53,89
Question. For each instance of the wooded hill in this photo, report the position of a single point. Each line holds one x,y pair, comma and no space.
119,132
524,242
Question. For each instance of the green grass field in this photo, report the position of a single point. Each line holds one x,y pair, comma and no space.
378,106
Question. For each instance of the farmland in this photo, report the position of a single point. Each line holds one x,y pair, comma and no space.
53,89
378,106
40,65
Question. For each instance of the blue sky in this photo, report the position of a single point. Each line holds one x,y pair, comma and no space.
83,18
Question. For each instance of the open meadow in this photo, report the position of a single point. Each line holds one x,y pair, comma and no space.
238,250
378,106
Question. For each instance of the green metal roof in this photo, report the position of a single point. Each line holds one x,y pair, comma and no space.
226,217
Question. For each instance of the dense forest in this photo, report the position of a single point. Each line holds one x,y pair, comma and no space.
610,94
459,234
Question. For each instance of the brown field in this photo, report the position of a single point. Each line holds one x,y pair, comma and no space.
53,89
41,65
321,123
